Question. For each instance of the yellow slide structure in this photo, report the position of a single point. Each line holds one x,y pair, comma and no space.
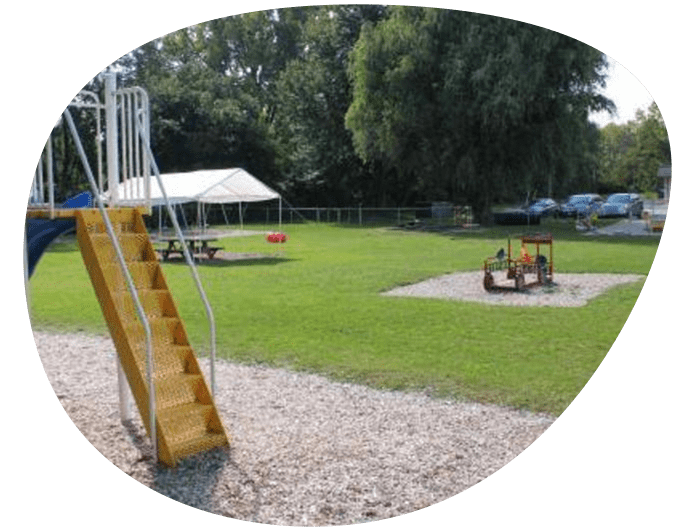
187,421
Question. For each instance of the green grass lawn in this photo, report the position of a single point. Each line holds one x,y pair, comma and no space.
315,306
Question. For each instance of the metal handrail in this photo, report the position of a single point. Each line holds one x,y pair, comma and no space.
134,158
126,273
186,253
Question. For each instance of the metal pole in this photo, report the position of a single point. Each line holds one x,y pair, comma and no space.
128,278
41,195
123,393
51,184
190,262
27,286
111,137
99,157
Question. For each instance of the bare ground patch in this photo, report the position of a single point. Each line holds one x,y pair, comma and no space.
568,289
304,450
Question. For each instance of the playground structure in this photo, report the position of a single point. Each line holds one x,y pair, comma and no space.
462,217
155,358
525,264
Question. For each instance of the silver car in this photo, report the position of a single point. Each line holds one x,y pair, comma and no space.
621,205
581,205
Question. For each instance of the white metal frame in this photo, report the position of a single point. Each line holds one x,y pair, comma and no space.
126,111
128,278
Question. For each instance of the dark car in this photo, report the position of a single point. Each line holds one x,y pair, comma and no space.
544,207
621,205
515,216
638,205
581,204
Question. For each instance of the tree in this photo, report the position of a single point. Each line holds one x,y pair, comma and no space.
472,108
630,154
319,160
212,90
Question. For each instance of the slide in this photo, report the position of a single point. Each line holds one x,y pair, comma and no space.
40,233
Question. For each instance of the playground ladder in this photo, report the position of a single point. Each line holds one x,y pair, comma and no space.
155,356
187,421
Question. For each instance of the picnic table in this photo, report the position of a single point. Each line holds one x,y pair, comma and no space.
198,244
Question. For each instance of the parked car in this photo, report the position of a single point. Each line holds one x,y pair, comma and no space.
621,205
638,205
516,216
544,207
581,204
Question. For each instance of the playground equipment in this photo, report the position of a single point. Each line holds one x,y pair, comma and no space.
40,233
463,217
155,358
276,238
517,268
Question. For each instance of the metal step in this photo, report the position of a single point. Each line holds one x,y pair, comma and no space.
187,420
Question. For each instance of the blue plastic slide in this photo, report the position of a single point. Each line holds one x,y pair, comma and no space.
40,233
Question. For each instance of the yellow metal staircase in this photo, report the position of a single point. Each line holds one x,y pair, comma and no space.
187,421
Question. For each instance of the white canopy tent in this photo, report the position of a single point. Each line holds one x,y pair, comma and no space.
231,185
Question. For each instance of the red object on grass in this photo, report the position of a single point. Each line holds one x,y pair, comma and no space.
276,238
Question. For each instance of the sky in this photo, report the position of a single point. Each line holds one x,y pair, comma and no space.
626,91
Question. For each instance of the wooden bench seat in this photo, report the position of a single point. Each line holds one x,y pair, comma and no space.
211,251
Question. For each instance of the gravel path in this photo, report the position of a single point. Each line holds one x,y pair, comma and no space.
305,450
568,290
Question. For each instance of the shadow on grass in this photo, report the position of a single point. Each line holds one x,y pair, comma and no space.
229,263
561,229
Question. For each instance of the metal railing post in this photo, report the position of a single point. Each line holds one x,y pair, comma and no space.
27,285
128,278
188,259
111,138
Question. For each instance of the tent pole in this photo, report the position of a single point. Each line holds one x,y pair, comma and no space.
204,217
240,214
280,212
185,219
223,211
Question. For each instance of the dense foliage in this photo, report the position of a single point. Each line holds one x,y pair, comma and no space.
340,105
630,154
466,106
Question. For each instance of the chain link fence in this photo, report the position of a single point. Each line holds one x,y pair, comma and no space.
434,214
437,214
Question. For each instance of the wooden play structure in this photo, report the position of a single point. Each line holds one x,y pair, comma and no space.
516,269
156,360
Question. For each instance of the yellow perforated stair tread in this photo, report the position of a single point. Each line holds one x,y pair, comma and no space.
187,419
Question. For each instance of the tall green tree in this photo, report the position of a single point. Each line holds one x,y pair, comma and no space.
320,163
472,108
212,88
630,154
